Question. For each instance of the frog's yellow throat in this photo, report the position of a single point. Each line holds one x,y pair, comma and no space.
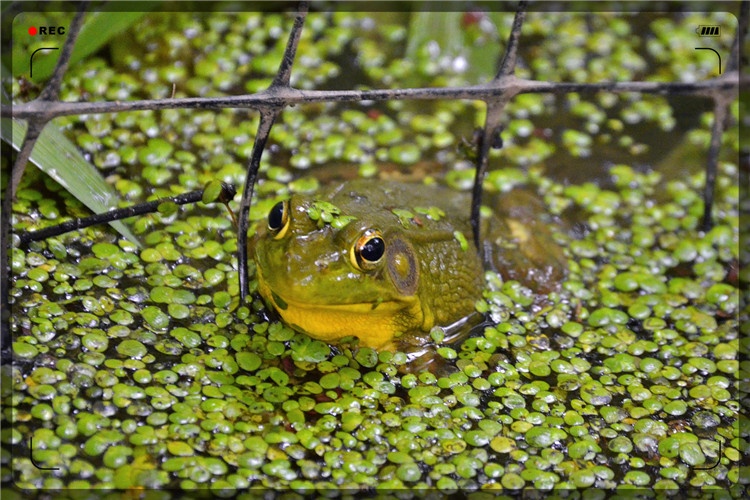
375,324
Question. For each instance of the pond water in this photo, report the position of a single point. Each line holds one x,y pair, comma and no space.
137,367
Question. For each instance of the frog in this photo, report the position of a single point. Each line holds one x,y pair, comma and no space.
387,261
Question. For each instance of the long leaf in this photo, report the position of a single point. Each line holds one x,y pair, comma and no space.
56,156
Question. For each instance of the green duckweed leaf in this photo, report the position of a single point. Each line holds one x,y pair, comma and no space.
312,351
461,240
212,192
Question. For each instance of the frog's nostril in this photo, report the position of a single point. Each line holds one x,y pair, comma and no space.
322,264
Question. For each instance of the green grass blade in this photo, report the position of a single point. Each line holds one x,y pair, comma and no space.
56,156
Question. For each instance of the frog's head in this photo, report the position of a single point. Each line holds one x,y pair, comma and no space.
333,272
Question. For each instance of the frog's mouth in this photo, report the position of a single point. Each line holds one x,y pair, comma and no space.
376,324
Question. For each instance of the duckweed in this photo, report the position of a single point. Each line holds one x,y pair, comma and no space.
139,368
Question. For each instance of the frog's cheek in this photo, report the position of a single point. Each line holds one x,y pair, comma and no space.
402,266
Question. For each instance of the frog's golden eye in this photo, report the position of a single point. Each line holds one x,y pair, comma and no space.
278,219
368,251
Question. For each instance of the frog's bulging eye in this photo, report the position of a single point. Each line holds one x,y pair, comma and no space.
278,219
368,251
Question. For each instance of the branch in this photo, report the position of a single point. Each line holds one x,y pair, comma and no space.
511,52
285,68
279,87
287,96
490,137
267,120
51,91
227,193
721,109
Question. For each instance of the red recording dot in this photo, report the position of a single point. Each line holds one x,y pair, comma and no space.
32,31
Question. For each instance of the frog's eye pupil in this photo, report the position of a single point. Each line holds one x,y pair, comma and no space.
373,249
278,219
368,251
276,216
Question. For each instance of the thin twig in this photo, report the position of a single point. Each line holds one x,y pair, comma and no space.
283,76
717,130
290,97
32,134
268,116
267,119
51,91
508,66
490,137
148,207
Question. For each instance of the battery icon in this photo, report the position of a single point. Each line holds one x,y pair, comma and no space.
708,30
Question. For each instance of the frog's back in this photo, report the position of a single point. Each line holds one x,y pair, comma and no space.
517,239
387,200
520,244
